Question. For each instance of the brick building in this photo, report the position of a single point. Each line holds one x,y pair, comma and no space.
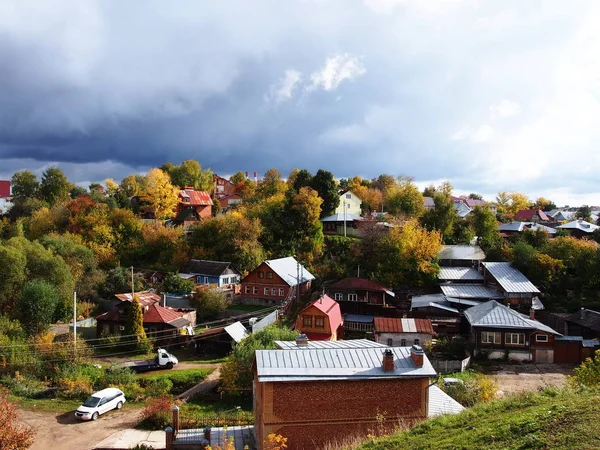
271,282
321,320
313,396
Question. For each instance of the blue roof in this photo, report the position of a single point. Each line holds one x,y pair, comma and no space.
358,318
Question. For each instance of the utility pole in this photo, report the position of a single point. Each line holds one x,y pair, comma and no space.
344,218
297,280
132,285
75,320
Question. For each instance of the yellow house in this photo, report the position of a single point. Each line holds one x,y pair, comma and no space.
350,203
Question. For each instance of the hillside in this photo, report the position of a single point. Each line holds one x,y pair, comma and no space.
553,419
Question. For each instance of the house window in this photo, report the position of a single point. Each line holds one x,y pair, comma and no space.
266,291
417,342
339,296
307,321
389,342
255,290
281,292
488,337
269,275
206,280
247,289
515,338
319,322
541,338
198,279
402,342
274,291
348,195
226,280
352,297
261,274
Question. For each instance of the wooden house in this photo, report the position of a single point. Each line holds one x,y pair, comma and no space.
321,320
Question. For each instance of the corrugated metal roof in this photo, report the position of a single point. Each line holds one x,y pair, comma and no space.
145,298
470,291
237,331
494,315
265,322
422,301
462,252
336,364
511,279
459,273
463,301
581,225
522,226
404,325
207,267
569,338
287,269
441,403
339,217
590,343
358,318
351,343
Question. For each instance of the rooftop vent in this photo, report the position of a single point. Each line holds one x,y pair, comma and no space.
302,341
388,361
417,354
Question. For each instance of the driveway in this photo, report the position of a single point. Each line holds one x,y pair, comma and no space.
63,432
512,378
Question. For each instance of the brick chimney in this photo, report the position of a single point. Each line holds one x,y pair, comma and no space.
302,341
532,314
388,361
417,354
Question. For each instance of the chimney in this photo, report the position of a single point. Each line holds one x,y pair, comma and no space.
388,361
532,314
582,314
417,354
302,341
256,177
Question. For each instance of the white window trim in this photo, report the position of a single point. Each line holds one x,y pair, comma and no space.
339,296
509,338
487,335
266,291
281,292
544,336
353,297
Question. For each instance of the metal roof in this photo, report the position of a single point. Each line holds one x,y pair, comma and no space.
339,217
420,301
462,301
494,315
522,226
207,267
470,291
511,279
570,338
404,325
441,403
336,364
459,273
237,331
462,252
590,343
581,225
287,269
358,318
351,343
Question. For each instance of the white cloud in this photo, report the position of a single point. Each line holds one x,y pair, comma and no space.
337,69
284,89
383,6
505,108
479,135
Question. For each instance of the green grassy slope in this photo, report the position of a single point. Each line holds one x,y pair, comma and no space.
553,419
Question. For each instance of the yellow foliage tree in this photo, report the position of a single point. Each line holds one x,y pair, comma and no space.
160,193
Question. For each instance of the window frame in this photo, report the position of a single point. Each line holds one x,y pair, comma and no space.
321,320
266,291
390,342
261,274
255,290
352,297
402,342
269,275
508,338
281,292
338,296
247,289
487,334
307,320
538,336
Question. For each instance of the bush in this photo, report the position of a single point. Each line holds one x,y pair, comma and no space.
24,385
475,388
181,380
157,387
121,376
588,373
451,348
157,414
13,436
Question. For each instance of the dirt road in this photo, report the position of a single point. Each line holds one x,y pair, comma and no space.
63,432
512,378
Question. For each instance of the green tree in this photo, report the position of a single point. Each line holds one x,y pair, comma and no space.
55,186
25,185
441,217
133,185
209,302
474,196
302,178
236,372
404,199
175,284
13,262
304,229
134,328
584,213
271,184
78,191
190,173
39,300
485,226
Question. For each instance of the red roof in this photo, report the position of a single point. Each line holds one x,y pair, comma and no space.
525,215
397,325
154,314
331,308
358,284
197,198
145,298
4,189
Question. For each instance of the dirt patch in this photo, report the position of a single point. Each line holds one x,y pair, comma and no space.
64,432
513,378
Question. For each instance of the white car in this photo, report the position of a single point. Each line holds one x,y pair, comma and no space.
99,403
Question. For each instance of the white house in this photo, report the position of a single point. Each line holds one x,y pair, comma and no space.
350,203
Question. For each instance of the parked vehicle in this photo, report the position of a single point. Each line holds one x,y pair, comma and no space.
100,402
163,360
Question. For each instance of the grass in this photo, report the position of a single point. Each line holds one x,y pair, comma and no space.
182,379
187,356
553,418
46,404
249,308
211,404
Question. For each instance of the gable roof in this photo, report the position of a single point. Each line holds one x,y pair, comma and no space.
339,217
495,315
522,226
580,225
397,325
526,215
474,202
314,364
360,284
470,291
586,318
237,331
287,269
462,252
197,198
207,267
459,273
329,307
145,297
511,279
152,314
351,343
348,191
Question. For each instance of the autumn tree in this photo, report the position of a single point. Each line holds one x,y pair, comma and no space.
511,203
190,173
371,198
54,187
209,301
25,185
134,328
384,183
133,185
485,227
441,217
244,186
584,213
544,204
160,194
326,187
13,435
271,184
304,228
404,199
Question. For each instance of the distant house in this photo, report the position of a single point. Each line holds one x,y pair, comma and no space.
321,320
303,342
360,295
350,203
223,187
204,272
460,255
497,330
273,280
5,189
315,396
532,215
360,323
145,298
584,323
428,202
342,224
509,229
517,290
219,341
193,205
396,332
230,201
462,210
473,203
460,275
579,228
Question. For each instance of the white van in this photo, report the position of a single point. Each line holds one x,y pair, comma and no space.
100,402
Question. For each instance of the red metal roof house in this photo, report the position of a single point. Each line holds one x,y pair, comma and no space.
321,320
532,215
197,203
393,331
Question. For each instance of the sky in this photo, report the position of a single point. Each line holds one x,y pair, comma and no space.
490,95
